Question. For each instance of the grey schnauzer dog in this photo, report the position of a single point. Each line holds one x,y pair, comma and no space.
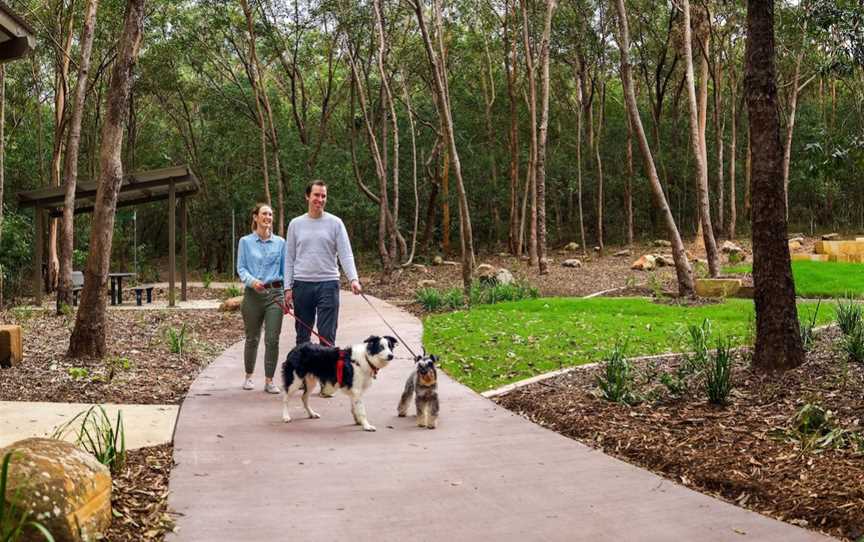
422,383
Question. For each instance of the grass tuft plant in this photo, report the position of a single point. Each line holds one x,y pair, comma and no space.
232,291
454,299
13,520
718,374
616,381
848,315
808,328
98,435
853,344
177,339
207,279
430,299
699,339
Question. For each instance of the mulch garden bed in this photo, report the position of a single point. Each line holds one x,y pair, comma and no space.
139,368
744,452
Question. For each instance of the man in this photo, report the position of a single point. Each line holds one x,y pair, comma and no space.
312,245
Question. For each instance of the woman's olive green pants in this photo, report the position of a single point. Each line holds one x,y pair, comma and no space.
262,309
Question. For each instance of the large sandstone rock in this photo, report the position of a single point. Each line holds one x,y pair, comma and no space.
662,243
794,245
664,260
503,276
717,287
621,253
572,246
485,267
11,346
572,262
62,486
731,248
830,236
645,263
232,304
437,260
426,283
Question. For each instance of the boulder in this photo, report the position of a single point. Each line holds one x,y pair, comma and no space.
437,260
426,283
798,238
420,267
645,263
622,253
572,262
717,287
63,487
795,245
503,276
662,243
11,346
572,246
450,262
231,304
485,267
731,248
486,273
830,236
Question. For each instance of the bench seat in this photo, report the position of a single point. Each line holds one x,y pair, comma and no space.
141,289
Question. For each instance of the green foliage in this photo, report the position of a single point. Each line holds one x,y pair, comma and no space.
493,345
454,299
616,380
207,279
176,339
848,315
808,327
853,344
430,299
232,290
815,428
484,293
95,432
79,259
735,258
699,337
718,374
116,364
16,245
15,522
78,373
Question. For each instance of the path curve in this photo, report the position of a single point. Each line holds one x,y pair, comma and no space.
485,473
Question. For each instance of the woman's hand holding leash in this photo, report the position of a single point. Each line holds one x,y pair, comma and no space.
258,285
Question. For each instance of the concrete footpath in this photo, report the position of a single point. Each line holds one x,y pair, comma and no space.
485,473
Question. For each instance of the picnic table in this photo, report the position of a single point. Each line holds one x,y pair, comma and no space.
117,286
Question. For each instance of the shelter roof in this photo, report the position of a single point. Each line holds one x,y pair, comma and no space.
138,188
17,37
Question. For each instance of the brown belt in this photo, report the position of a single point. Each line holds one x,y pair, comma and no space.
274,284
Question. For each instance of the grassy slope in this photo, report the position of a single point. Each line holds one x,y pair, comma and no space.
492,345
822,279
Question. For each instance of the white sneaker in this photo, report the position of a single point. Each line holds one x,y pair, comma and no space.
248,385
270,387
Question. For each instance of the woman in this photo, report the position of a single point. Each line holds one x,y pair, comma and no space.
260,264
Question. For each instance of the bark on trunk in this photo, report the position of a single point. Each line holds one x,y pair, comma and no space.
70,173
88,337
513,132
733,156
778,338
541,143
682,265
698,142
628,183
2,160
531,182
790,123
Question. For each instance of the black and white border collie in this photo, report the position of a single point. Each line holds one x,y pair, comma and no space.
350,369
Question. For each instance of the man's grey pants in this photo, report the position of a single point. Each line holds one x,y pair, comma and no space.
319,299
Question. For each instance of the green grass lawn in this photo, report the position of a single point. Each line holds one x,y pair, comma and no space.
492,345
821,279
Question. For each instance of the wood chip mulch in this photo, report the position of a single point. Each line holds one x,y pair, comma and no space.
139,497
737,452
139,368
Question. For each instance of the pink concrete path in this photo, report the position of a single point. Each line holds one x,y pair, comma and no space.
484,474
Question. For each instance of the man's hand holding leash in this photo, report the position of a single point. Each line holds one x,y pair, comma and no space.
356,287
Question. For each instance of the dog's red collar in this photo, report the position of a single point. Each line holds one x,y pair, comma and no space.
340,367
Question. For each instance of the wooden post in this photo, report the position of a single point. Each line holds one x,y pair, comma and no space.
37,256
172,241
183,249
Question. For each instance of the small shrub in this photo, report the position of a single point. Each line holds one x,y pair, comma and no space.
177,339
698,338
116,364
848,315
808,328
735,258
853,344
207,279
78,373
616,381
674,384
13,520
430,299
97,435
700,270
454,298
718,377
232,291
483,293
656,286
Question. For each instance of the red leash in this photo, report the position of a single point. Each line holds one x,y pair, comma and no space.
287,310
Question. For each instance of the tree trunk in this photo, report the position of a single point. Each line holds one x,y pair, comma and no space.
598,164
541,143
2,160
579,130
748,174
733,156
698,142
88,337
679,255
413,132
257,89
70,173
778,338
790,123
510,63
719,129
628,183
531,182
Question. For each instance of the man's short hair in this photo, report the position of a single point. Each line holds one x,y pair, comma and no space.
316,182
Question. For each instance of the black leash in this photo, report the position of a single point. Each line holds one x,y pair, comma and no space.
414,356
